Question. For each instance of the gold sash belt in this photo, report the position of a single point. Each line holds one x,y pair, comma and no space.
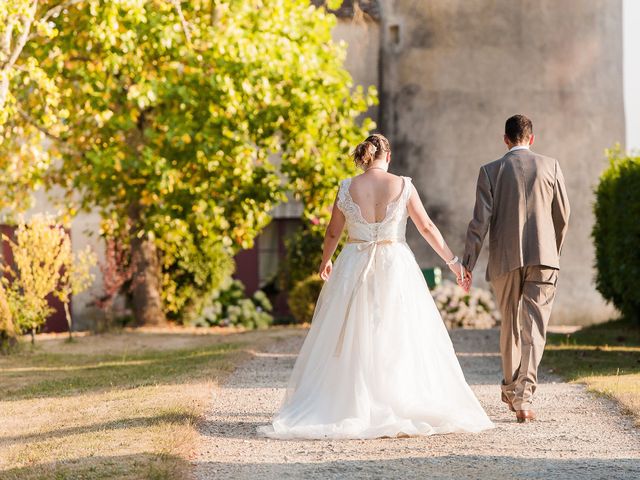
373,244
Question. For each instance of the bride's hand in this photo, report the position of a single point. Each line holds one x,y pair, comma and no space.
459,270
463,282
325,270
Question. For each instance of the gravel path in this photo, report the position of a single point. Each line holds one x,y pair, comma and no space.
577,435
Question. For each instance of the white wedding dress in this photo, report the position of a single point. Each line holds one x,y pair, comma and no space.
377,360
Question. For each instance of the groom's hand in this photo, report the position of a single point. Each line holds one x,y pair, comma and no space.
461,278
468,274
468,279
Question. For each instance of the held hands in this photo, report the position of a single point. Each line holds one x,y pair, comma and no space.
466,282
463,276
325,270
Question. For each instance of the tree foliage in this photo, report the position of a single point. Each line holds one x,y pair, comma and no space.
29,100
616,233
44,265
23,85
75,278
186,122
304,254
303,298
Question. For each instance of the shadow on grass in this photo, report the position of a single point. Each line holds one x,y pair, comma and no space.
612,348
167,417
123,467
606,358
616,333
53,375
575,363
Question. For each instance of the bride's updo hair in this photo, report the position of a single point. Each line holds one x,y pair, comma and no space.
374,147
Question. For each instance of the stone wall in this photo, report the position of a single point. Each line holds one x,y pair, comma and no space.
363,52
452,71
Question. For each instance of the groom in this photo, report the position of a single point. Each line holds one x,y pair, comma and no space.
521,198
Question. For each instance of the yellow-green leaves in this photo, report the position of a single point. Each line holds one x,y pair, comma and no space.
29,100
193,122
44,265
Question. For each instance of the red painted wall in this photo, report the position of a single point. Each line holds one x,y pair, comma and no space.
247,269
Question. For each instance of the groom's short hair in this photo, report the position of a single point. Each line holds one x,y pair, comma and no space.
518,128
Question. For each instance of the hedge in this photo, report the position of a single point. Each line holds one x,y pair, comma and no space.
616,233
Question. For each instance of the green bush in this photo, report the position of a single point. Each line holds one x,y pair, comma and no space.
304,254
616,233
193,269
230,306
303,297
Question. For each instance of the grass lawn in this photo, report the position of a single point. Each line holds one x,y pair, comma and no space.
121,406
605,357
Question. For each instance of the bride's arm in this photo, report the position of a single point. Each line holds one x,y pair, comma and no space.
331,239
430,232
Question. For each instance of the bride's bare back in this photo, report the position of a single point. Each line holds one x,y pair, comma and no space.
373,191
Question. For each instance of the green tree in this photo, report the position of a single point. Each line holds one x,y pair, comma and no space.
29,100
40,251
188,121
75,278
23,85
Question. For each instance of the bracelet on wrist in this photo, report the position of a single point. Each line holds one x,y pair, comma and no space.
452,261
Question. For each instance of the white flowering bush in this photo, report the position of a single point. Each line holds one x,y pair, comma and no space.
475,309
230,306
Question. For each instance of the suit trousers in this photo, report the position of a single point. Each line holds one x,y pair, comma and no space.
525,298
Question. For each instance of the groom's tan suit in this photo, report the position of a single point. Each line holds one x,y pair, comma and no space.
522,201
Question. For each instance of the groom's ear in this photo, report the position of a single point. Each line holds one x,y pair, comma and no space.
532,139
507,142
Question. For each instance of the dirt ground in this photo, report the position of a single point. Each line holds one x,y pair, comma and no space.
577,435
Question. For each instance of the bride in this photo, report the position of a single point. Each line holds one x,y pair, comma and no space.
377,361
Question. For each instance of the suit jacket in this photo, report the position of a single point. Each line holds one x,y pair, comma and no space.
522,200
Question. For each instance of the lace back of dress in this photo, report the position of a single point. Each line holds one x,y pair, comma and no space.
346,203
352,211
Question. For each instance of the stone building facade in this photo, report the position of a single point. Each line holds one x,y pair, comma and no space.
450,72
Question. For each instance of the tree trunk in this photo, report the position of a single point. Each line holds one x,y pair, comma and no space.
147,302
67,314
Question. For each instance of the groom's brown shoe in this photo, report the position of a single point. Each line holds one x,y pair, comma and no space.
524,416
506,400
